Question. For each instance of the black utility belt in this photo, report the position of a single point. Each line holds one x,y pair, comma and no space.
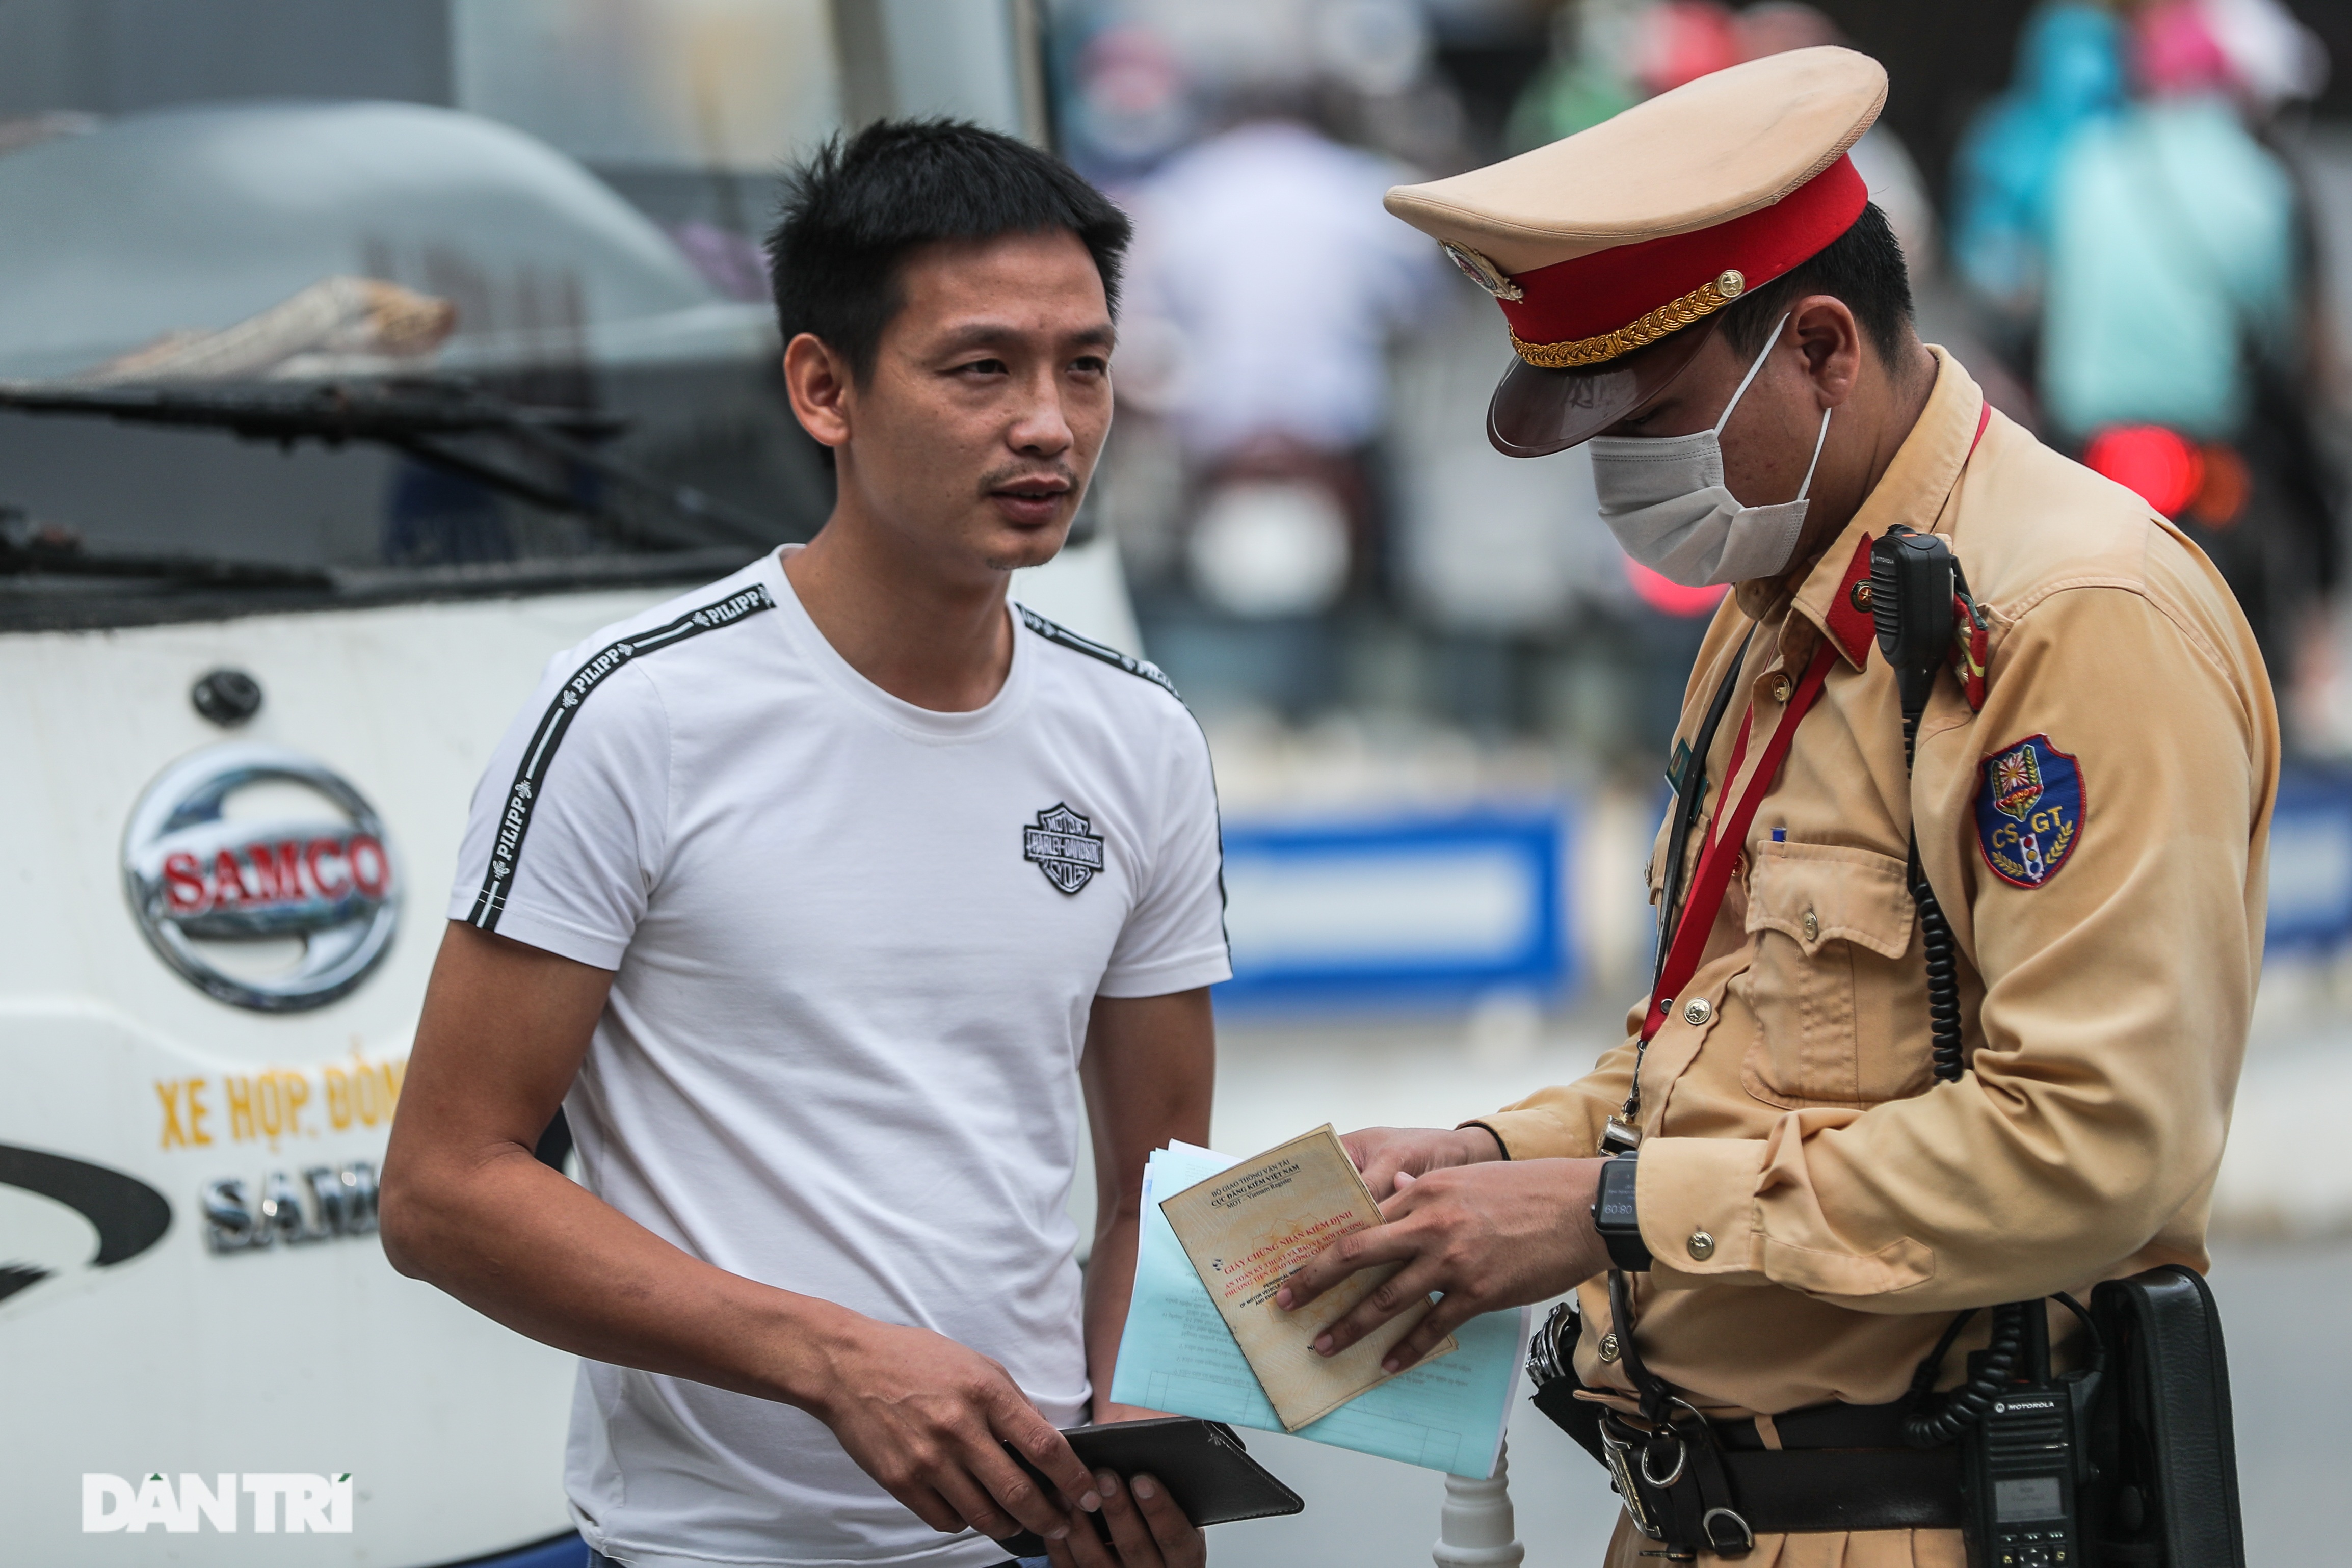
2129,1459
1840,1468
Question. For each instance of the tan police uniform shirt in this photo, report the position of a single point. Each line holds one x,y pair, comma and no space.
1818,1206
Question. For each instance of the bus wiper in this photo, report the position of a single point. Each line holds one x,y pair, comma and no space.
426,418
26,551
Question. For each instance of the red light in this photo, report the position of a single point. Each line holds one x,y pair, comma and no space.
1664,594
2162,468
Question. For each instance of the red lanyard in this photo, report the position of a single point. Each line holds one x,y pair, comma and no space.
1728,838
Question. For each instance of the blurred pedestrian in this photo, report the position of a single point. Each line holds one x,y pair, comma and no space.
1608,55
2196,382
1264,259
2070,74
1255,246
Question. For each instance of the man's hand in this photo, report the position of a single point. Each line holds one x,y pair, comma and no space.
1146,1530
1490,1236
929,1418
1381,1153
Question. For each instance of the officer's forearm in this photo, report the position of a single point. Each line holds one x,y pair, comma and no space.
1565,1122
2051,1160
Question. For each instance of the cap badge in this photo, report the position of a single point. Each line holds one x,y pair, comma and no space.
1482,272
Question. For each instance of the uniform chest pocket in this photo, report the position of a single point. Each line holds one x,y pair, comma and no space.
1836,986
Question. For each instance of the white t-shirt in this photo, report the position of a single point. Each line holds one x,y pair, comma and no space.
854,943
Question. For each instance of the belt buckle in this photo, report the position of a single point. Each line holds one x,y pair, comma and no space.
1622,1466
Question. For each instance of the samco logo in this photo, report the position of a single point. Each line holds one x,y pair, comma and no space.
2029,810
202,880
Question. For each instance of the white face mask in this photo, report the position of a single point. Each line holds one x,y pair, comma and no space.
1664,499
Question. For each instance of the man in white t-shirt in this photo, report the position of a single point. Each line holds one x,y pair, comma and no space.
812,898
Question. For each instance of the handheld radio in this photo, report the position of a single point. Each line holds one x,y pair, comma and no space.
2023,1461
2024,1464
1912,576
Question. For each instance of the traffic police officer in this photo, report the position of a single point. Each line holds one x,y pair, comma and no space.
1701,284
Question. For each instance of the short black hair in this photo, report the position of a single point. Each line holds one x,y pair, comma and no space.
1862,266
853,210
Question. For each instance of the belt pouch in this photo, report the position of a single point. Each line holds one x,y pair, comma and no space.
1579,1418
1551,1369
2163,1440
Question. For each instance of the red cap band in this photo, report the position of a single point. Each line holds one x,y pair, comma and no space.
1609,290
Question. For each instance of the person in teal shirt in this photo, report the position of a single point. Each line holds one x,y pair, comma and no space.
2171,268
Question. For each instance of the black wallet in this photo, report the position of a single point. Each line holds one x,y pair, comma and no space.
1207,1471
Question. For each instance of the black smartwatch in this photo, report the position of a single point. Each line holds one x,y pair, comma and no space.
1613,1218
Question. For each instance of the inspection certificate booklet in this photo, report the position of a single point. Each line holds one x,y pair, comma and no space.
1247,1228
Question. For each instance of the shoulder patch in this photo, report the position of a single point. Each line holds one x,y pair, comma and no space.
1142,669
2030,808
506,849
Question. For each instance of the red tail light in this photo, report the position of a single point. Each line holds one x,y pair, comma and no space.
2163,467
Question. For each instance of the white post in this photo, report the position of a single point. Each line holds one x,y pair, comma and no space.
1477,1529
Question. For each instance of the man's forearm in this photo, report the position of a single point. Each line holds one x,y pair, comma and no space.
467,1208
1149,1072
1110,1283
521,1243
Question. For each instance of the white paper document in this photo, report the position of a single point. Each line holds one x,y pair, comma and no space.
1177,1354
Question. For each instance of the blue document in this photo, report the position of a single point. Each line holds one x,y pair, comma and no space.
1176,1354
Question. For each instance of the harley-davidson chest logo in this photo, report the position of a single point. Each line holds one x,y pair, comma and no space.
1063,849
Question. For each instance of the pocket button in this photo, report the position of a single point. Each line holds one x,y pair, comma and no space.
1812,927
1701,1245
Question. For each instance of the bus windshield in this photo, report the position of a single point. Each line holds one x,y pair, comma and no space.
302,353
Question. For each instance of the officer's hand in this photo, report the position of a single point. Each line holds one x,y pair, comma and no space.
1489,1235
929,1418
1146,1530
1381,1152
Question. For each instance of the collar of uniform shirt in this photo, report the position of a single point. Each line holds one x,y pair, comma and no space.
1917,490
